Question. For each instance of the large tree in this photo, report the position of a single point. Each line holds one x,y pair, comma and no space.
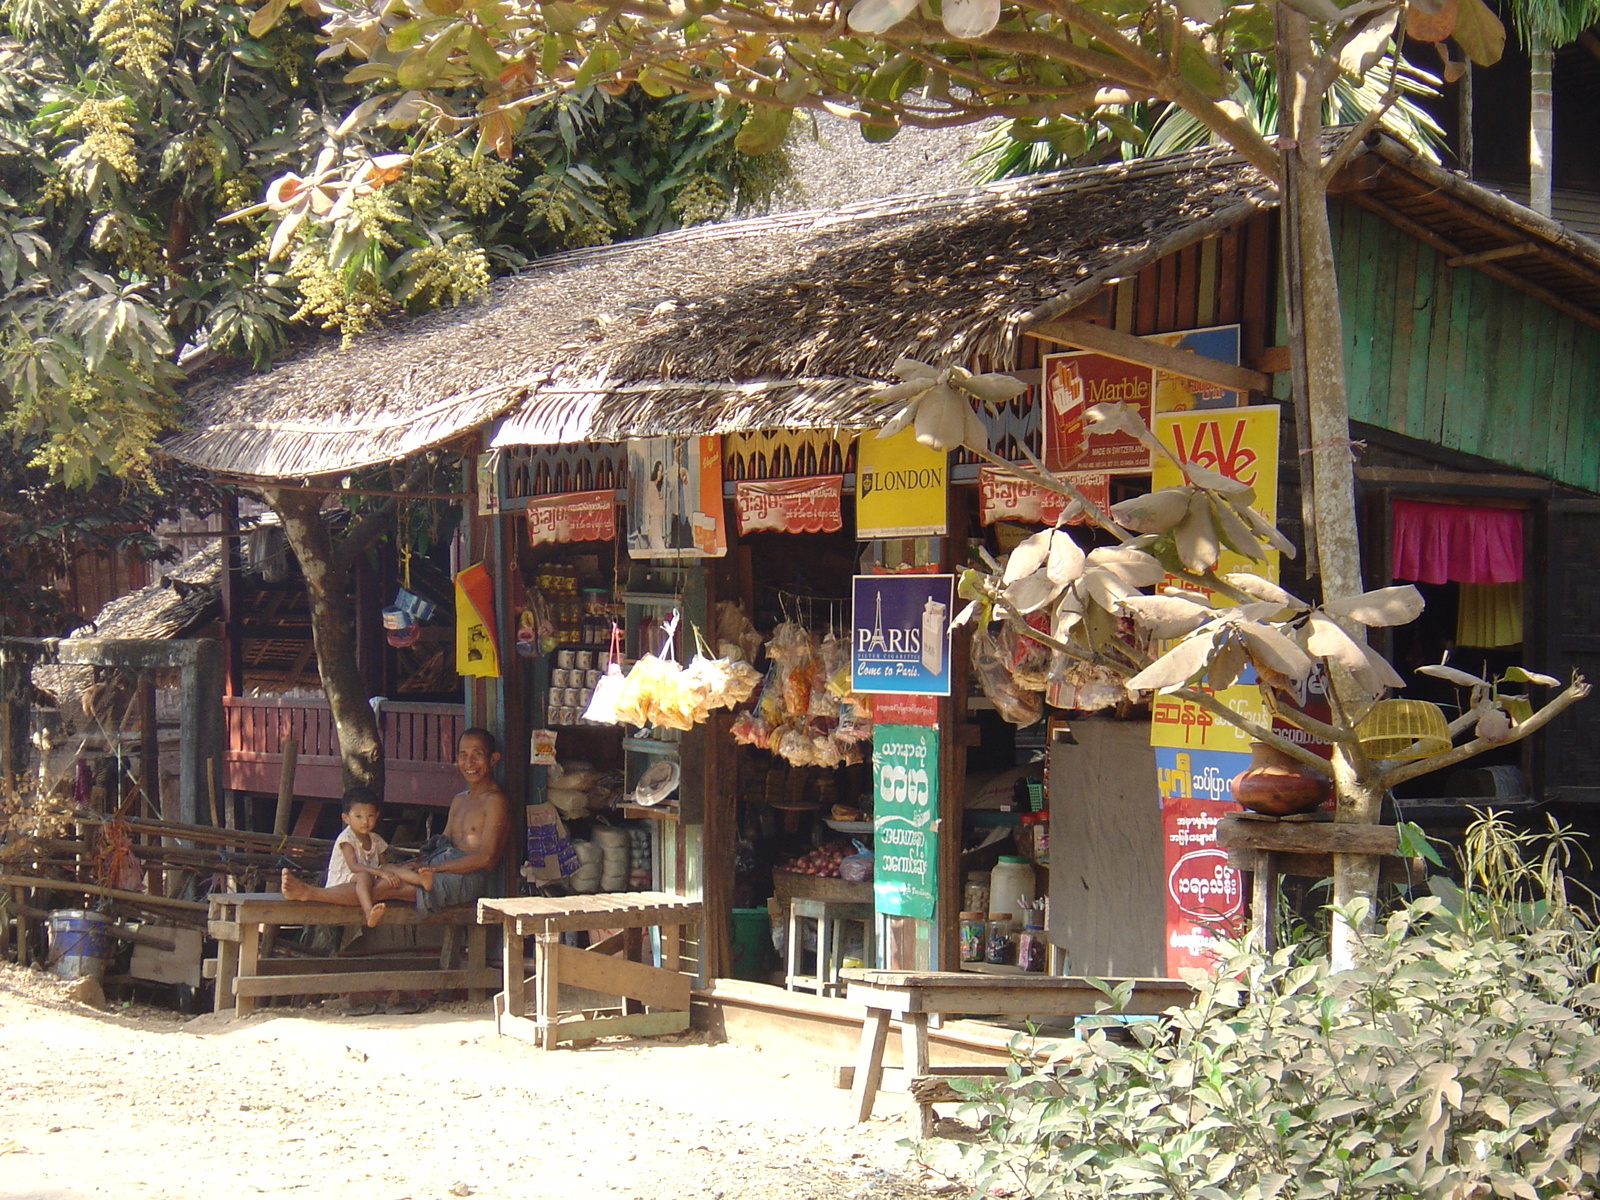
131,130
891,63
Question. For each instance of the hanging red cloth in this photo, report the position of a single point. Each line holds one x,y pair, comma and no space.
1456,543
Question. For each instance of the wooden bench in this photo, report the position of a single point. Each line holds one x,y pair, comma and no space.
912,995
650,999
246,923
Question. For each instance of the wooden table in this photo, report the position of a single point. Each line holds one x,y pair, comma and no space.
652,999
245,924
912,995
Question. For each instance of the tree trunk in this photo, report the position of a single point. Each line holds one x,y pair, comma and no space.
1540,151
333,633
1312,285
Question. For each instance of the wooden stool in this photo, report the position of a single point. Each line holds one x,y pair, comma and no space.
830,917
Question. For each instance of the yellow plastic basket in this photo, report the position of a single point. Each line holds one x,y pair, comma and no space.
1404,729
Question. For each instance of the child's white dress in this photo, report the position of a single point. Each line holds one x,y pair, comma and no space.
339,870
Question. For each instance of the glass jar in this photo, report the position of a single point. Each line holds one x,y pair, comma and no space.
975,896
1031,950
974,930
1001,948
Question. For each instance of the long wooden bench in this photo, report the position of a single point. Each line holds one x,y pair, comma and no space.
245,925
912,995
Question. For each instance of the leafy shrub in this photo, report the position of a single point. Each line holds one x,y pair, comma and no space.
1460,1059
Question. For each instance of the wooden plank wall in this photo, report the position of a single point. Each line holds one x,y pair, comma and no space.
1229,278
1450,356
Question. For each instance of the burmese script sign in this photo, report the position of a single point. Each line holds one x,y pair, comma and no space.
905,806
1004,497
789,505
572,517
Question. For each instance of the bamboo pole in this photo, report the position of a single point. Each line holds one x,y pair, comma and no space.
40,883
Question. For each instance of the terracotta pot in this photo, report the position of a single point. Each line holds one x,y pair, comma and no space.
1277,785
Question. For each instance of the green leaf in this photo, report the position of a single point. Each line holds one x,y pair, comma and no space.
764,129
481,55
600,62
265,17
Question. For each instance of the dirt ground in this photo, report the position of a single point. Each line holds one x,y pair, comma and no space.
144,1104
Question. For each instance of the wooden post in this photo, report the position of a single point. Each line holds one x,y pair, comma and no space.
291,752
149,744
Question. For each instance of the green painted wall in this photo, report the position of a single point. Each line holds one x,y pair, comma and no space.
1453,357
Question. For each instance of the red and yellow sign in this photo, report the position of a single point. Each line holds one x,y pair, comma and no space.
1004,497
1075,383
789,505
1205,897
573,517
477,652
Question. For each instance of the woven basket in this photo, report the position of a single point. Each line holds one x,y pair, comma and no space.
1404,729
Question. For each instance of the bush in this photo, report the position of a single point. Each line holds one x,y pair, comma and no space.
1460,1059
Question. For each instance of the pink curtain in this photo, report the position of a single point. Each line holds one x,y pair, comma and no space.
1445,543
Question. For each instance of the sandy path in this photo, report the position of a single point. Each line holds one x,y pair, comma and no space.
143,1106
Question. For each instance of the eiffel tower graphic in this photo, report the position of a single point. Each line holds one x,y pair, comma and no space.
877,641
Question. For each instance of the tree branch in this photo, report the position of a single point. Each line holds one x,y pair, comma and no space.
1575,691
372,525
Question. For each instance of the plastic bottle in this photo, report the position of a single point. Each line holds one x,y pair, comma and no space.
1012,884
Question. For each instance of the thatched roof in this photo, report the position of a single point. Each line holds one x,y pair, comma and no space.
782,320
181,599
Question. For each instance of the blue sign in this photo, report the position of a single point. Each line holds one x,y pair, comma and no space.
902,634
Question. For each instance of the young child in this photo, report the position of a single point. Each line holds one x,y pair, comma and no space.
358,854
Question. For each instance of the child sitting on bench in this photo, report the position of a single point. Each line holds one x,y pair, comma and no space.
358,853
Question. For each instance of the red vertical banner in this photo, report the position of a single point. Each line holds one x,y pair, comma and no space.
1205,898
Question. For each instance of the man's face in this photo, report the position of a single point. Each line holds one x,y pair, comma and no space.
473,760
362,818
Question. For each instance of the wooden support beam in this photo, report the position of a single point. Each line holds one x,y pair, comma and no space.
43,884
1306,837
1068,331
1410,476
336,983
1515,250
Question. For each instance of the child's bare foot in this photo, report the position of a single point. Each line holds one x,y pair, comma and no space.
293,889
425,878
375,914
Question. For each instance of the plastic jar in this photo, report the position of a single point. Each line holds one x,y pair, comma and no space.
1031,949
1001,947
974,929
1012,883
975,896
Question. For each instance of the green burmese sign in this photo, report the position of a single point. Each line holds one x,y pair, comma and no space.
905,849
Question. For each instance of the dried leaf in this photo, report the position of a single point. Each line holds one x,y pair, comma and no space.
1235,531
970,18
1135,566
1385,606
1105,587
1479,32
1028,556
910,368
1267,531
1494,726
941,420
1460,678
994,388
1523,675
1226,664
1196,536
1155,512
1276,651
1067,559
1379,673
1176,667
878,16
1324,639
1216,481
1264,589
1111,417
910,389
1431,22
1167,616
1369,42
1032,592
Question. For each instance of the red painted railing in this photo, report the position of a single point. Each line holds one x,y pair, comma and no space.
419,744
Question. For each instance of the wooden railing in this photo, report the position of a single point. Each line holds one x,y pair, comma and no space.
419,746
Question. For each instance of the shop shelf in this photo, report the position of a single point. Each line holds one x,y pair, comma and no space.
649,746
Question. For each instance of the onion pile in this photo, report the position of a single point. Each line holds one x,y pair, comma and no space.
824,860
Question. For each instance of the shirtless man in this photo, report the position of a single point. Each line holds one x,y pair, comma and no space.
463,858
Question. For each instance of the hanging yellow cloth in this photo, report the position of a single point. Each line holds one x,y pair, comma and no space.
1489,614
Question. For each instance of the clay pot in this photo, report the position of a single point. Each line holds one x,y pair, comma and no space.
1277,785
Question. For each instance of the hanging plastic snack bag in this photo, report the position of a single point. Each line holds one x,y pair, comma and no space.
603,703
989,664
1028,660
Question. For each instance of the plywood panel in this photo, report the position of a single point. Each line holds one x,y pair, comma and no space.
1106,875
